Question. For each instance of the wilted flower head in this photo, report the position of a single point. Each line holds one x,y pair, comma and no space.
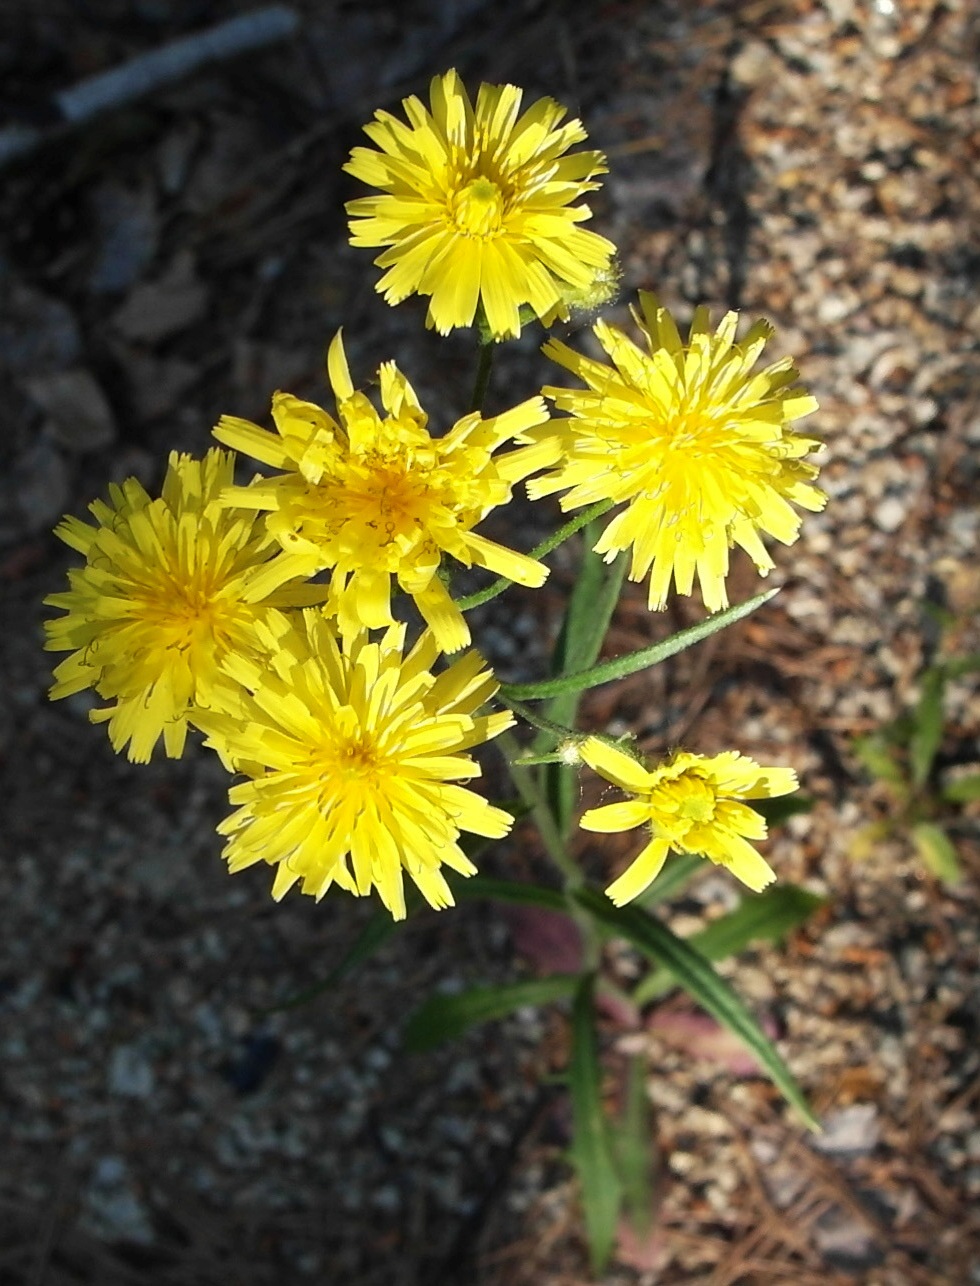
159,603
700,450
354,752
691,804
475,206
369,497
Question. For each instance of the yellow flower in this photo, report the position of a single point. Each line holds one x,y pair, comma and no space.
353,753
374,497
699,449
692,804
475,206
158,604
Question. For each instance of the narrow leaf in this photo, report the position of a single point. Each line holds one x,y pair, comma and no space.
928,733
877,756
485,886
766,916
962,790
634,1149
783,807
699,979
592,1147
960,665
621,666
443,1018
937,851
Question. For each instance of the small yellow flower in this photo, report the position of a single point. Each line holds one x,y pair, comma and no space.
475,206
354,752
698,448
692,804
159,603
374,497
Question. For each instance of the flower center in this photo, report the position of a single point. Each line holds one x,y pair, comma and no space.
388,499
695,799
478,209
186,617
355,760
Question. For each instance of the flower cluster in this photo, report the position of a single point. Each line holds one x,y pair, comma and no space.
263,614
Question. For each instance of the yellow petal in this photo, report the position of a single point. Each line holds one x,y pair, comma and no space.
615,765
640,874
616,817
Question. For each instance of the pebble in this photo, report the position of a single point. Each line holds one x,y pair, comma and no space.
889,515
849,1131
130,1074
80,417
34,494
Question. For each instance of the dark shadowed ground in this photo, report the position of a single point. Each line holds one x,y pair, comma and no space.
184,255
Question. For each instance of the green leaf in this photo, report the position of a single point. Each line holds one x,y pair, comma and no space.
634,1149
592,1147
766,916
928,731
783,807
699,979
962,790
442,1018
621,666
960,665
937,851
876,755
484,886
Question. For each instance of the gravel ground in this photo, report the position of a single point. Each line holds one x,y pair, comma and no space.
162,1120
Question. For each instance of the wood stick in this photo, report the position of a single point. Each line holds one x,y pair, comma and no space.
151,71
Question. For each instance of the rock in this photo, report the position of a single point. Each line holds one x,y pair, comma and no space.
37,333
130,1075
80,417
845,1241
158,383
128,230
752,63
111,1207
850,1131
163,307
34,493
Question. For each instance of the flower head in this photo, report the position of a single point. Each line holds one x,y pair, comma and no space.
354,752
692,804
475,206
159,603
370,497
700,450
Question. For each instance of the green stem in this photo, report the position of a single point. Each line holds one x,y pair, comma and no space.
621,666
482,382
557,730
539,551
533,761
527,787
527,783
